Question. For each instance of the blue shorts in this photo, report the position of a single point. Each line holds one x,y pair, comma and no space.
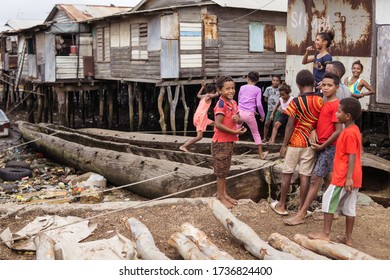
324,164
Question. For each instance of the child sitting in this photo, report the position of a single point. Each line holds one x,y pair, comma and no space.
279,111
201,120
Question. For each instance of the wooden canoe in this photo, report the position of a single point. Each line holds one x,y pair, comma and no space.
168,171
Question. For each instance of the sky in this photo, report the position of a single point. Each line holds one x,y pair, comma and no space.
40,9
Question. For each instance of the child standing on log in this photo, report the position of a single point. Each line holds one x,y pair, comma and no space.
342,193
271,96
225,134
249,100
201,120
324,143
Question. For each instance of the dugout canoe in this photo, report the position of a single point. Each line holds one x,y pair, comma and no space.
167,171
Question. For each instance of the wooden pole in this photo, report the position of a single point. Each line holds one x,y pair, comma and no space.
140,107
173,105
46,101
131,105
101,107
161,110
186,109
110,108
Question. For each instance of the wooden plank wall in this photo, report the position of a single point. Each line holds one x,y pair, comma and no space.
234,56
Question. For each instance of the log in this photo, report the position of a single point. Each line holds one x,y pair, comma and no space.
45,247
145,242
241,231
187,249
204,244
330,249
284,244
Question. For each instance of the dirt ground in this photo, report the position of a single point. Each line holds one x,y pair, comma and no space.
371,232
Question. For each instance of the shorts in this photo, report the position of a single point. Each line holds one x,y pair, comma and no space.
306,158
222,156
324,164
283,119
338,200
276,116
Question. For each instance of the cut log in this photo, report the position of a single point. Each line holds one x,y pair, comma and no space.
187,249
145,242
241,231
204,244
330,249
45,247
284,244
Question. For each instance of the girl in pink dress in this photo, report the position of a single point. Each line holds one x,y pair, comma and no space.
201,120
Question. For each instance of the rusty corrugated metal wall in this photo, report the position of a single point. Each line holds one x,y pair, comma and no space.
350,20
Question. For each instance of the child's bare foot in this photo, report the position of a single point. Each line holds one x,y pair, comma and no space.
225,202
184,149
293,221
231,200
264,155
271,142
319,216
319,235
343,239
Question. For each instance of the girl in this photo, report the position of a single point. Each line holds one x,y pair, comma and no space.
201,121
249,98
356,84
283,102
225,134
321,56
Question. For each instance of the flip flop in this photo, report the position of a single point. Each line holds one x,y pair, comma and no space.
273,207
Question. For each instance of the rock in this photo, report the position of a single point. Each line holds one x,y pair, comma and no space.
363,199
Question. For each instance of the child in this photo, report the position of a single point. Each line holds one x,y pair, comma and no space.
279,111
356,84
347,173
225,134
249,98
303,112
271,96
321,57
328,129
201,121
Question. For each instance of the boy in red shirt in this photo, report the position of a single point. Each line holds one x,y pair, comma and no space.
347,173
327,131
225,134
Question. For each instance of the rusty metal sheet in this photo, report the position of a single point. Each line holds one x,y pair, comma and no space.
350,20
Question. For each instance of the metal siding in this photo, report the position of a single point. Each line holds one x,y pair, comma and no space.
169,59
383,74
50,58
115,38
124,31
170,27
256,37
351,22
190,45
32,66
280,38
382,8
66,67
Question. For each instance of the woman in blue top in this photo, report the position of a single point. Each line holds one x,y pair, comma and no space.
321,56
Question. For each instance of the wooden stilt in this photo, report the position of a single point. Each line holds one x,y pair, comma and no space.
186,109
30,106
161,110
140,107
101,107
110,108
172,106
45,91
131,105
40,105
83,93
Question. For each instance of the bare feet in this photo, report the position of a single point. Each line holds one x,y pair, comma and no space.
345,240
319,235
264,155
319,216
225,202
184,149
293,221
270,142
231,200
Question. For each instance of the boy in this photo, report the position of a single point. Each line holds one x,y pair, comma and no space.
347,173
271,96
303,112
225,134
328,129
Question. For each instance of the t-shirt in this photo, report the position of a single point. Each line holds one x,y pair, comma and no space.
305,109
319,65
283,105
349,142
273,96
228,110
249,98
327,121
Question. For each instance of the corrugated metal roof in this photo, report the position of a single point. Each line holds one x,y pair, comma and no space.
84,12
264,5
19,24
